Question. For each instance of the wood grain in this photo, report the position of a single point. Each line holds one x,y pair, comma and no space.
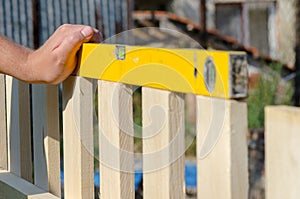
116,140
78,138
19,128
12,186
282,148
221,149
3,132
46,140
163,144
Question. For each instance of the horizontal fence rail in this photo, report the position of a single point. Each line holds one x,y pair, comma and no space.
12,186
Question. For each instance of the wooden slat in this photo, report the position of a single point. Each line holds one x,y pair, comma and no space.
19,128
282,140
78,138
46,138
221,149
116,140
3,135
25,131
12,186
163,144
13,130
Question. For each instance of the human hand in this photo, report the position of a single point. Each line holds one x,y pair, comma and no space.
56,59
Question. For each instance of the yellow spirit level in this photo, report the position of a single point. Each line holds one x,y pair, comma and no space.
212,73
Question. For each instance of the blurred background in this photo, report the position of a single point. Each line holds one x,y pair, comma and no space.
267,30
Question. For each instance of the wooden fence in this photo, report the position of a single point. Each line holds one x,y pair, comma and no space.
35,172
28,172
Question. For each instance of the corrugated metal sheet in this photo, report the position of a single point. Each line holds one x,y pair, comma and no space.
15,21
17,17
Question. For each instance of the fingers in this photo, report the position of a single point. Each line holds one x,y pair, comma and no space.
74,34
72,37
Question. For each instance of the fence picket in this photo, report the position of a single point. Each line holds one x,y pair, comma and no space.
282,140
3,134
163,144
116,140
221,149
19,128
78,138
46,138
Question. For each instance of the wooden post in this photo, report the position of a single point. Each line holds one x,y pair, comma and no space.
221,149
116,140
282,148
203,11
163,144
18,128
3,134
297,53
78,138
46,138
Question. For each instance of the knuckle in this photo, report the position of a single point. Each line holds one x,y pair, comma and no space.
74,38
56,60
64,27
71,39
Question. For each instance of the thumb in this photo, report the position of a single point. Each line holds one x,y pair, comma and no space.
87,32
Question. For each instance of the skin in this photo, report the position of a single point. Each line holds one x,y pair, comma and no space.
53,62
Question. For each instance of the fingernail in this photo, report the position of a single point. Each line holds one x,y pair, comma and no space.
87,31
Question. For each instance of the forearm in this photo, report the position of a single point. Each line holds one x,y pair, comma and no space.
13,59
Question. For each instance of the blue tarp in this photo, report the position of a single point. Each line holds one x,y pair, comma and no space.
190,176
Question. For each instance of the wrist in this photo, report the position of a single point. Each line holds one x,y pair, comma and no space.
40,67
26,70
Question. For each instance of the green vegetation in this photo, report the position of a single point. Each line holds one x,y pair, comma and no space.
190,139
269,90
137,119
